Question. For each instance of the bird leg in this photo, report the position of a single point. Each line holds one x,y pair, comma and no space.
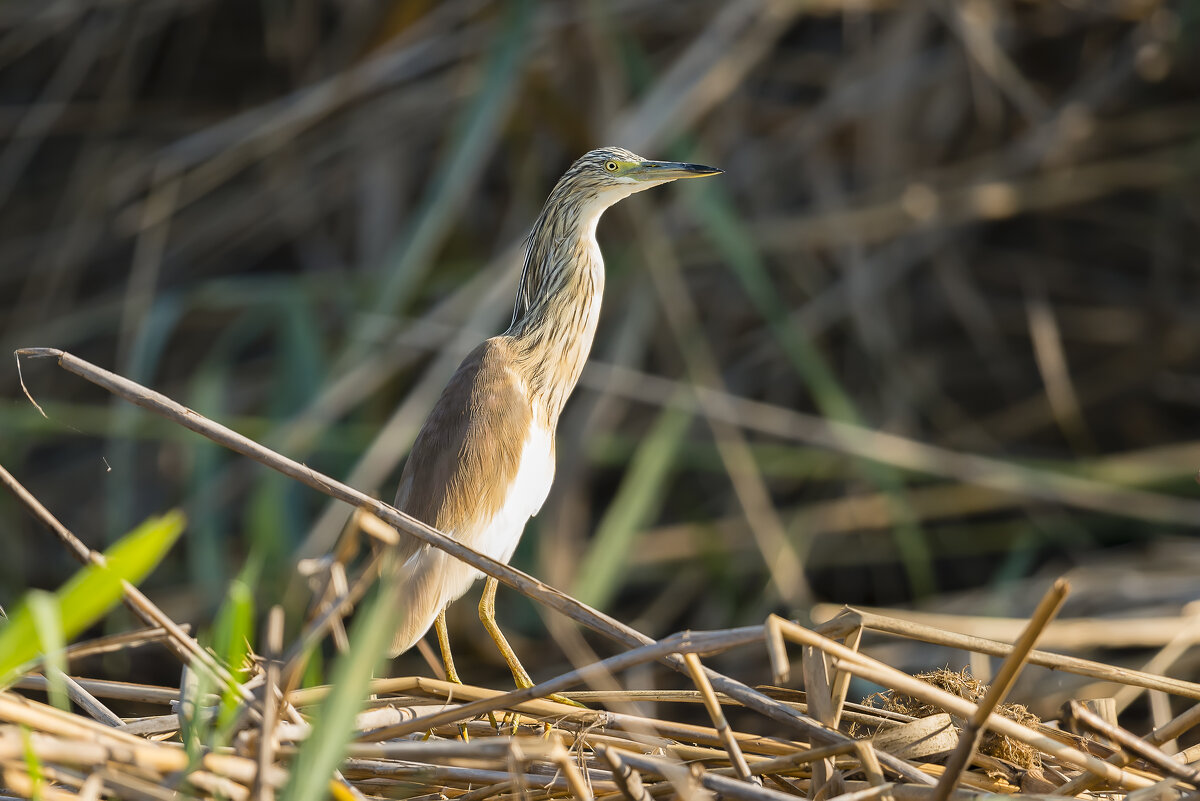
487,616
443,639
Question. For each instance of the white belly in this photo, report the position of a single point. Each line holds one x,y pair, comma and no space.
499,537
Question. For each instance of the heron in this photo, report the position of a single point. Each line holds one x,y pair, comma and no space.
482,464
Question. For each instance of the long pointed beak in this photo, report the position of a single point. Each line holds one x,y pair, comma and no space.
670,170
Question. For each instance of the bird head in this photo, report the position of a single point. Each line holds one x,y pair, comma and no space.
596,181
609,174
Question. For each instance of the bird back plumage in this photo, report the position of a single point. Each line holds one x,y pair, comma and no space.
478,470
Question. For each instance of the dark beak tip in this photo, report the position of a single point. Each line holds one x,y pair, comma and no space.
681,169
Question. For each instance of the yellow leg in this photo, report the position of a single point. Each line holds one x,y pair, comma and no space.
439,625
487,615
443,638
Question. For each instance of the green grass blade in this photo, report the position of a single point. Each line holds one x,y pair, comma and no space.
91,593
33,765
232,635
47,619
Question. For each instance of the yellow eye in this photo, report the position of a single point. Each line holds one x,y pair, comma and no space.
611,166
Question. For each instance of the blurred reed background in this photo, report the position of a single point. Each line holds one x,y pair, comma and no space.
969,225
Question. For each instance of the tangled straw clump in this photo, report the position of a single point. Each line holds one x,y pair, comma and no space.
964,685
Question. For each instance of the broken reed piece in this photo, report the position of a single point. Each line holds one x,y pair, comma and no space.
925,739
827,780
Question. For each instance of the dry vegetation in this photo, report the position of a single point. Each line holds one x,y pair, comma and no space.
243,728
931,338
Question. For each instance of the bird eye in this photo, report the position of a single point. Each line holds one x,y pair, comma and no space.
611,166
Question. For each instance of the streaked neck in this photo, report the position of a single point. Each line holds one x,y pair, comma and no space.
558,301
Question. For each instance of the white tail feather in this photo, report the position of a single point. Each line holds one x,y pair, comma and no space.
429,581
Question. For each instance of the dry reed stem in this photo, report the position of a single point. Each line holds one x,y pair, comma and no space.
724,785
1186,635
266,738
865,794
575,781
841,679
713,706
871,768
628,780
87,701
1075,634
103,688
118,642
796,759
21,782
826,780
858,713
